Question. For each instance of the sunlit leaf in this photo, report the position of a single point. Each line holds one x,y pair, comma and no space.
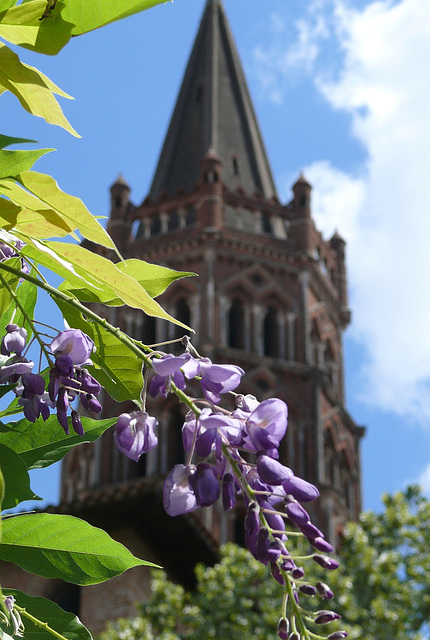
32,88
16,479
63,622
60,546
22,25
11,280
69,208
41,444
14,162
27,296
153,278
87,16
106,274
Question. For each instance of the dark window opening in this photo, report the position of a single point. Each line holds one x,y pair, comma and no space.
271,331
235,166
173,222
117,202
190,216
303,201
236,318
155,225
183,314
266,224
67,596
175,448
211,177
149,330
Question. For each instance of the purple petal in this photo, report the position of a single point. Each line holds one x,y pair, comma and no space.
178,496
300,489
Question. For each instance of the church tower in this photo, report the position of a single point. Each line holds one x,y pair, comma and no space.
270,296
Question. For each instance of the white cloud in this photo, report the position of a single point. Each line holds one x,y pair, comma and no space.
424,481
381,80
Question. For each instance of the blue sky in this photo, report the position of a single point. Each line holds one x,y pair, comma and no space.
341,90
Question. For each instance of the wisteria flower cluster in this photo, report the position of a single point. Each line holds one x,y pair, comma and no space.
218,444
68,376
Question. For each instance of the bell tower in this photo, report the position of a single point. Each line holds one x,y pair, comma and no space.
271,297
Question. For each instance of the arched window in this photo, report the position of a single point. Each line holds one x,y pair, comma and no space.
271,333
266,223
149,326
190,216
183,314
173,221
236,328
155,225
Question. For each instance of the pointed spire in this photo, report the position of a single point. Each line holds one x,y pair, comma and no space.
213,110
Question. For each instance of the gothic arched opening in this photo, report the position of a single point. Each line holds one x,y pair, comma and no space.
271,345
236,325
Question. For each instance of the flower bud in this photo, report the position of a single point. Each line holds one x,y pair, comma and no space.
325,562
337,635
307,589
322,617
324,590
283,628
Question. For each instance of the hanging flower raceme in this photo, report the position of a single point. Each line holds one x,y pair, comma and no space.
271,492
68,378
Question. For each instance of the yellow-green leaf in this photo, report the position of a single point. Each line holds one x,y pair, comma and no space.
49,212
87,16
22,25
104,272
32,88
13,162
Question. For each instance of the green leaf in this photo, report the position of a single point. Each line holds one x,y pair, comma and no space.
117,369
153,278
86,16
32,88
69,208
59,546
22,25
40,443
14,162
63,622
16,479
12,280
107,278
27,296
5,388
6,141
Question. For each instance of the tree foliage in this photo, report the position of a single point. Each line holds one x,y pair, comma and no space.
382,589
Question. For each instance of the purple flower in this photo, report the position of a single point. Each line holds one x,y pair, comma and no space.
307,589
205,485
324,590
272,471
252,527
283,628
178,497
167,369
297,513
34,399
74,343
325,562
76,423
13,368
321,545
14,341
217,378
300,489
228,492
322,617
267,424
134,434
337,635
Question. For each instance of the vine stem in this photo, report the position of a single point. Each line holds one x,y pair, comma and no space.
38,623
28,319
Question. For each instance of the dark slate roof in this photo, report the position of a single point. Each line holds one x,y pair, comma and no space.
213,110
